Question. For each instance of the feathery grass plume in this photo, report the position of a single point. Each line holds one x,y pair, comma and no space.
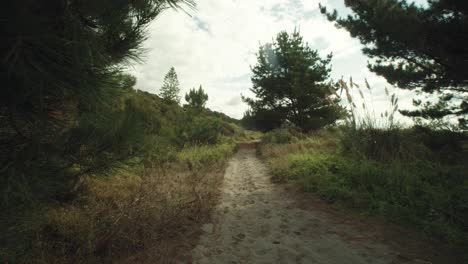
332,91
346,88
360,93
367,84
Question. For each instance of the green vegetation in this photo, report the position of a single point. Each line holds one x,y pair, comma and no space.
416,175
92,170
281,136
290,85
170,89
130,197
421,48
413,176
196,98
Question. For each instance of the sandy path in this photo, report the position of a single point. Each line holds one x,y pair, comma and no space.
256,222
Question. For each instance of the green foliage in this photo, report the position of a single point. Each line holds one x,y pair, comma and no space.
414,176
196,98
262,119
281,136
200,130
378,144
133,132
170,89
66,108
417,48
201,155
289,81
70,121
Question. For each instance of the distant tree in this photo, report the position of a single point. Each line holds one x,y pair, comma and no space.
170,89
196,98
420,48
290,83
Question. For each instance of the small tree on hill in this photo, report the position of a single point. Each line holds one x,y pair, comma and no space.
290,83
196,98
170,88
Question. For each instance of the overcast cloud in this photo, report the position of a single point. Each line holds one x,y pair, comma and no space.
216,44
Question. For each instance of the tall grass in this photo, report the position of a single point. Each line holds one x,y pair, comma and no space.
133,212
414,176
360,103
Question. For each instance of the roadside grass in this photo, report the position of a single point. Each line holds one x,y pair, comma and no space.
136,210
248,135
410,176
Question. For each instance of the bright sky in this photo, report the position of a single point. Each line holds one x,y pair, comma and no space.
216,44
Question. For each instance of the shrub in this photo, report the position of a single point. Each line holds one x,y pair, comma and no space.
281,136
200,130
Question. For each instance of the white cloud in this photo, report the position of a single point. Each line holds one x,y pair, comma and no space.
216,46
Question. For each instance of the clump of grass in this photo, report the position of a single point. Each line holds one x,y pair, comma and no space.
281,136
199,155
248,135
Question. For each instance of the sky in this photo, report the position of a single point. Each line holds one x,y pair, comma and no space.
216,44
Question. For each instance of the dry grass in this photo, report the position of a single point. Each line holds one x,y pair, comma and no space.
129,215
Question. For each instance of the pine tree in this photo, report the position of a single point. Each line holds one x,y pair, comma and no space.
290,83
424,49
60,69
170,89
196,98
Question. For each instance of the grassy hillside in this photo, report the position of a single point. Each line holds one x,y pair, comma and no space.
157,173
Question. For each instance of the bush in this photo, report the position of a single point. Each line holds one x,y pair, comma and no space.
403,144
281,136
199,130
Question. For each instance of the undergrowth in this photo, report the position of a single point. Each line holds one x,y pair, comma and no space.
411,176
134,210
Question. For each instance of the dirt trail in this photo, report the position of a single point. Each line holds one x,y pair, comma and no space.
258,222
